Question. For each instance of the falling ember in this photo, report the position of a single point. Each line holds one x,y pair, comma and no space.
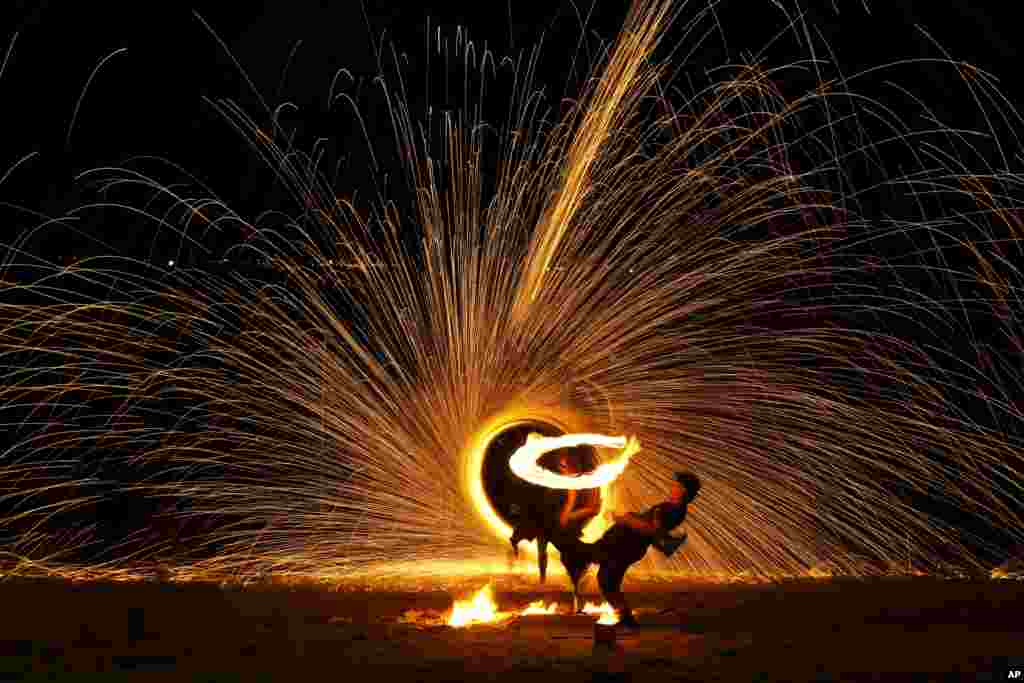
524,461
480,609
539,608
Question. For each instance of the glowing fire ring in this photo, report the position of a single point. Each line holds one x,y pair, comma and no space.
472,459
523,462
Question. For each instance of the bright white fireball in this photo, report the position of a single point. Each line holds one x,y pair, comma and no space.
524,461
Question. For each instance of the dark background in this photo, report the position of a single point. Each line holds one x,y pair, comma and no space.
149,100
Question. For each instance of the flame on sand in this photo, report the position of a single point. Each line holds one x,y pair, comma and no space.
480,609
524,461
539,608
607,612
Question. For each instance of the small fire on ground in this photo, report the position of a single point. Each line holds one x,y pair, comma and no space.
607,612
539,608
482,608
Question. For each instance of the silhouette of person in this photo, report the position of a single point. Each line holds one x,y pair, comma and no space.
626,542
561,525
551,514
580,505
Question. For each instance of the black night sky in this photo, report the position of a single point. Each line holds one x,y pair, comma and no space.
147,98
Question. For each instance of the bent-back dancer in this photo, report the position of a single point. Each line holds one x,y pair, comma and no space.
626,542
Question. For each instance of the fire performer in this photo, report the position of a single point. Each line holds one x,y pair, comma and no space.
540,522
626,542
581,505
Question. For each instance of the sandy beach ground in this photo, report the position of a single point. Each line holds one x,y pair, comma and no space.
900,629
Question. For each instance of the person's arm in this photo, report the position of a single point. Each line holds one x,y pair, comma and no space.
567,515
571,515
594,507
581,513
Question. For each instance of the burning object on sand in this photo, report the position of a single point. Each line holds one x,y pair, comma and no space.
482,608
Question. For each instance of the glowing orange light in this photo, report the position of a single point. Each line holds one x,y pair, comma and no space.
524,461
539,608
1001,574
472,465
607,612
480,609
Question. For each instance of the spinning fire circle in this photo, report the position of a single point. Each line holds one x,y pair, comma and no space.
525,462
507,493
499,494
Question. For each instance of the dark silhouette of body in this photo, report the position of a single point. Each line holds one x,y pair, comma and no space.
623,544
546,521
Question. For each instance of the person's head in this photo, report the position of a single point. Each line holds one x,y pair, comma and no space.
566,463
685,487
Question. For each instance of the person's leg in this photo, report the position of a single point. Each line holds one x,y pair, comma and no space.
542,557
609,578
576,565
